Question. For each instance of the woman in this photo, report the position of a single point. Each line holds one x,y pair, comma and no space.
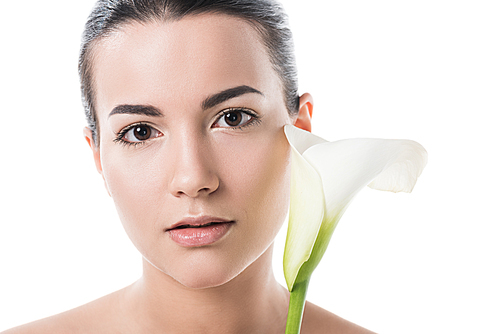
186,103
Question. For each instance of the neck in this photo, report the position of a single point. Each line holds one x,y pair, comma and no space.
251,302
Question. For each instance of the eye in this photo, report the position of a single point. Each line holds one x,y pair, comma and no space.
137,133
234,118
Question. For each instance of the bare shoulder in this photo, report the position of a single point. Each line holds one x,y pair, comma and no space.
319,320
88,318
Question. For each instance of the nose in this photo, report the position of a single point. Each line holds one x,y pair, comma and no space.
194,174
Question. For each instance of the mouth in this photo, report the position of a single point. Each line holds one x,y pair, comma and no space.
197,222
180,227
200,231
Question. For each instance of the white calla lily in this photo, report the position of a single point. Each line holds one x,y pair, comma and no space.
325,178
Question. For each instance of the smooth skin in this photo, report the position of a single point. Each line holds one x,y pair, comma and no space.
193,163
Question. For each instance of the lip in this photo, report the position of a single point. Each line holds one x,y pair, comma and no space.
199,231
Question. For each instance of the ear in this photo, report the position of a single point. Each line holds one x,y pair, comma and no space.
87,133
303,120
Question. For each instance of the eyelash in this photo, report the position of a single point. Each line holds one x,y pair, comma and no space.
121,134
119,137
254,121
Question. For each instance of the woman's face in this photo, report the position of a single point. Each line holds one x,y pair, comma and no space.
191,117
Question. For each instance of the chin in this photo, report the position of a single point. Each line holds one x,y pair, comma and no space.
204,269
203,282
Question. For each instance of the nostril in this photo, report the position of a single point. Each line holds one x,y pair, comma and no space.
197,179
195,193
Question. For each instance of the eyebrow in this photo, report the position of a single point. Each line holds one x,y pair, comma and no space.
227,94
208,103
136,110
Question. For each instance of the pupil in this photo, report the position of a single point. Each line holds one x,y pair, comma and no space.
233,118
142,132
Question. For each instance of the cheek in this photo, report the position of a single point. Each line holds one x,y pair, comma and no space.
134,184
257,177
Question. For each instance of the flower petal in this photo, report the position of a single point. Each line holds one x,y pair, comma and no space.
347,166
306,206
343,168
300,139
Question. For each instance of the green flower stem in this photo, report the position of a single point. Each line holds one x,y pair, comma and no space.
296,307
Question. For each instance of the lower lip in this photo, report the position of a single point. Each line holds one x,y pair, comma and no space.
199,236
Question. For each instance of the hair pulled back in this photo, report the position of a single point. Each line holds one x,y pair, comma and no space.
266,16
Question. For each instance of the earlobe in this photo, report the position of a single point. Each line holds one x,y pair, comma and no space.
303,120
87,133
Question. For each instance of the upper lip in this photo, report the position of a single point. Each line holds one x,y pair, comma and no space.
197,222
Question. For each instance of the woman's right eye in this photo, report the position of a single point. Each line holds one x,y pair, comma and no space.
137,134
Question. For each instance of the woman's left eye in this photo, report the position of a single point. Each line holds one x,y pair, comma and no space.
234,118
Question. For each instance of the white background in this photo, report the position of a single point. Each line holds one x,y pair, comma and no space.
426,262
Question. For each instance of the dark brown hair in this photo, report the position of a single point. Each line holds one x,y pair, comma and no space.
266,16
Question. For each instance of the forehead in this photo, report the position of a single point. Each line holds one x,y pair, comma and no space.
182,61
